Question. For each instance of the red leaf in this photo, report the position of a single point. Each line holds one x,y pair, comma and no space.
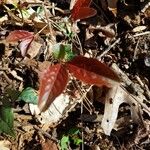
25,44
52,83
82,3
91,71
81,10
85,12
17,35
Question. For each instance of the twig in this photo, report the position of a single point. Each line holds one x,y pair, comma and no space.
142,104
53,9
40,30
45,133
65,12
83,96
7,79
22,18
145,87
49,23
136,49
145,7
79,42
108,49
140,34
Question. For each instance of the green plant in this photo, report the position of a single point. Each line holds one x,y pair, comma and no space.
6,112
55,78
72,137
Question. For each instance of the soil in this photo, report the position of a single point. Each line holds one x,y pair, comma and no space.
118,36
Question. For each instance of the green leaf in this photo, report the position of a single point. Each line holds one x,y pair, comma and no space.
69,55
74,131
66,28
7,121
73,134
58,51
29,95
67,48
40,10
64,142
76,140
63,51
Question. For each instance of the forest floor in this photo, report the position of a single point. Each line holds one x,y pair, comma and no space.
81,117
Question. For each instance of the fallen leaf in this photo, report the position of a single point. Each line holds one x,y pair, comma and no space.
14,74
25,44
139,28
112,6
17,1
17,35
54,113
5,145
108,31
114,98
21,35
49,145
34,49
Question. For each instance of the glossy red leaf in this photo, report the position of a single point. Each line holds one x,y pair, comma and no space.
25,44
52,83
84,12
92,71
17,35
82,3
81,10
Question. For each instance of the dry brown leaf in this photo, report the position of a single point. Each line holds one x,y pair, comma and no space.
107,31
116,96
34,49
14,74
139,28
49,145
42,66
25,45
5,145
55,112
17,1
41,25
112,6
4,18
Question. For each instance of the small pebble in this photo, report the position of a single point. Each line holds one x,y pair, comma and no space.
147,61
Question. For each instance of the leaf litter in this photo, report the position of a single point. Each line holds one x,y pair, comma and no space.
87,86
